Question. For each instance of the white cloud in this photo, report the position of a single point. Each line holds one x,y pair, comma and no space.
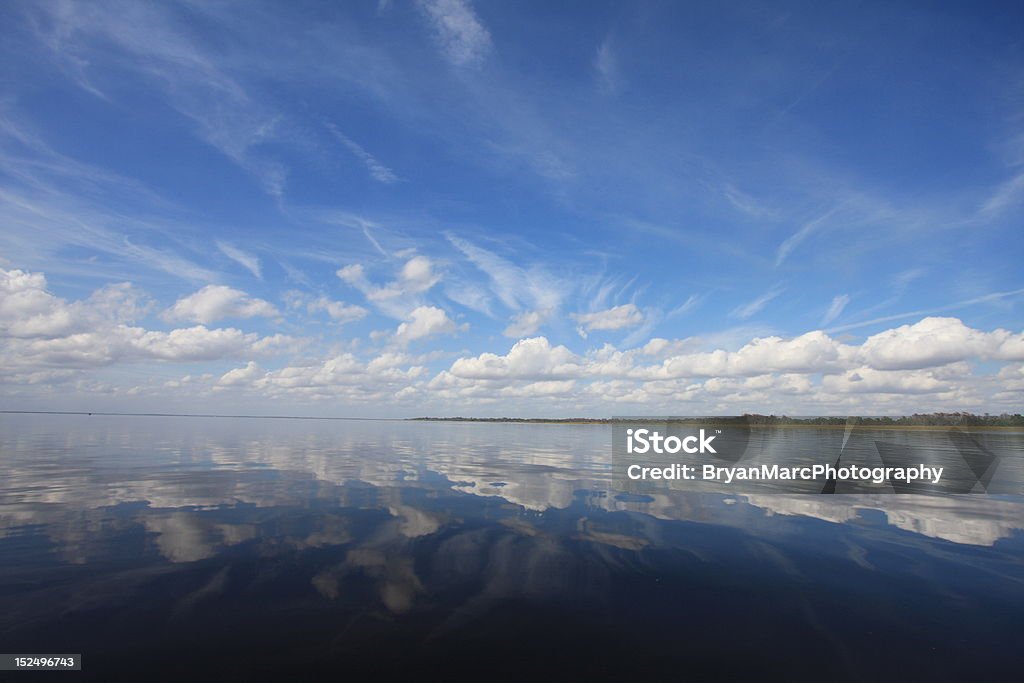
690,304
339,377
606,66
1006,196
938,341
754,307
805,231
655,346
866,380
400,296
532,358
352,274
469,295
810,352
338,310
28,310
248,261
616,318
743,202
124,343
148,38
42,330
416,277
811,372
461,36
425,321
525,323
836,308
517,287
216,302
161,259
241,376
985,298
377,170
201,343
52,344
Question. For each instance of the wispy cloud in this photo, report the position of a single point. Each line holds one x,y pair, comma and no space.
403,294
606,67
377,170
516,287
69,221
754,307
743,202
248,261
692,302
835,309
526,323
459,32
351,220
167,261
985,298
159,48
1006,196
805,231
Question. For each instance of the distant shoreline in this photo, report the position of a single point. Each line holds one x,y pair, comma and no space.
915,422
911,422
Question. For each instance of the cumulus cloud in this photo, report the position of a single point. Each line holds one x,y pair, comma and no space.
201,343
338,311
123,343
533,358
616,318
810,352
342,376
398,297
425,321
938,341
42,330
217,302
28,310
416,276
867,380
816,371
49,342
241,376
353,274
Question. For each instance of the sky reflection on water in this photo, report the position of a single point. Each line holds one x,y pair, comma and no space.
260,545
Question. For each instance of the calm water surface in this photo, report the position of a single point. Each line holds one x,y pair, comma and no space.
237,549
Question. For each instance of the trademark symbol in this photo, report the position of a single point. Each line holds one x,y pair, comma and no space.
718,431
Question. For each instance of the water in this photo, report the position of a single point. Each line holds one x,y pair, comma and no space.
238,549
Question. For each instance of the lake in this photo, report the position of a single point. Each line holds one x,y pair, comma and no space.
239,549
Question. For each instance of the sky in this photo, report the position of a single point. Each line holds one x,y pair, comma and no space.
445,207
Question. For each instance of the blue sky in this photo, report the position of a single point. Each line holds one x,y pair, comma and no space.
491,208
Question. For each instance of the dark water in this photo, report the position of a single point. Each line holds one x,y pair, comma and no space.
216,549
